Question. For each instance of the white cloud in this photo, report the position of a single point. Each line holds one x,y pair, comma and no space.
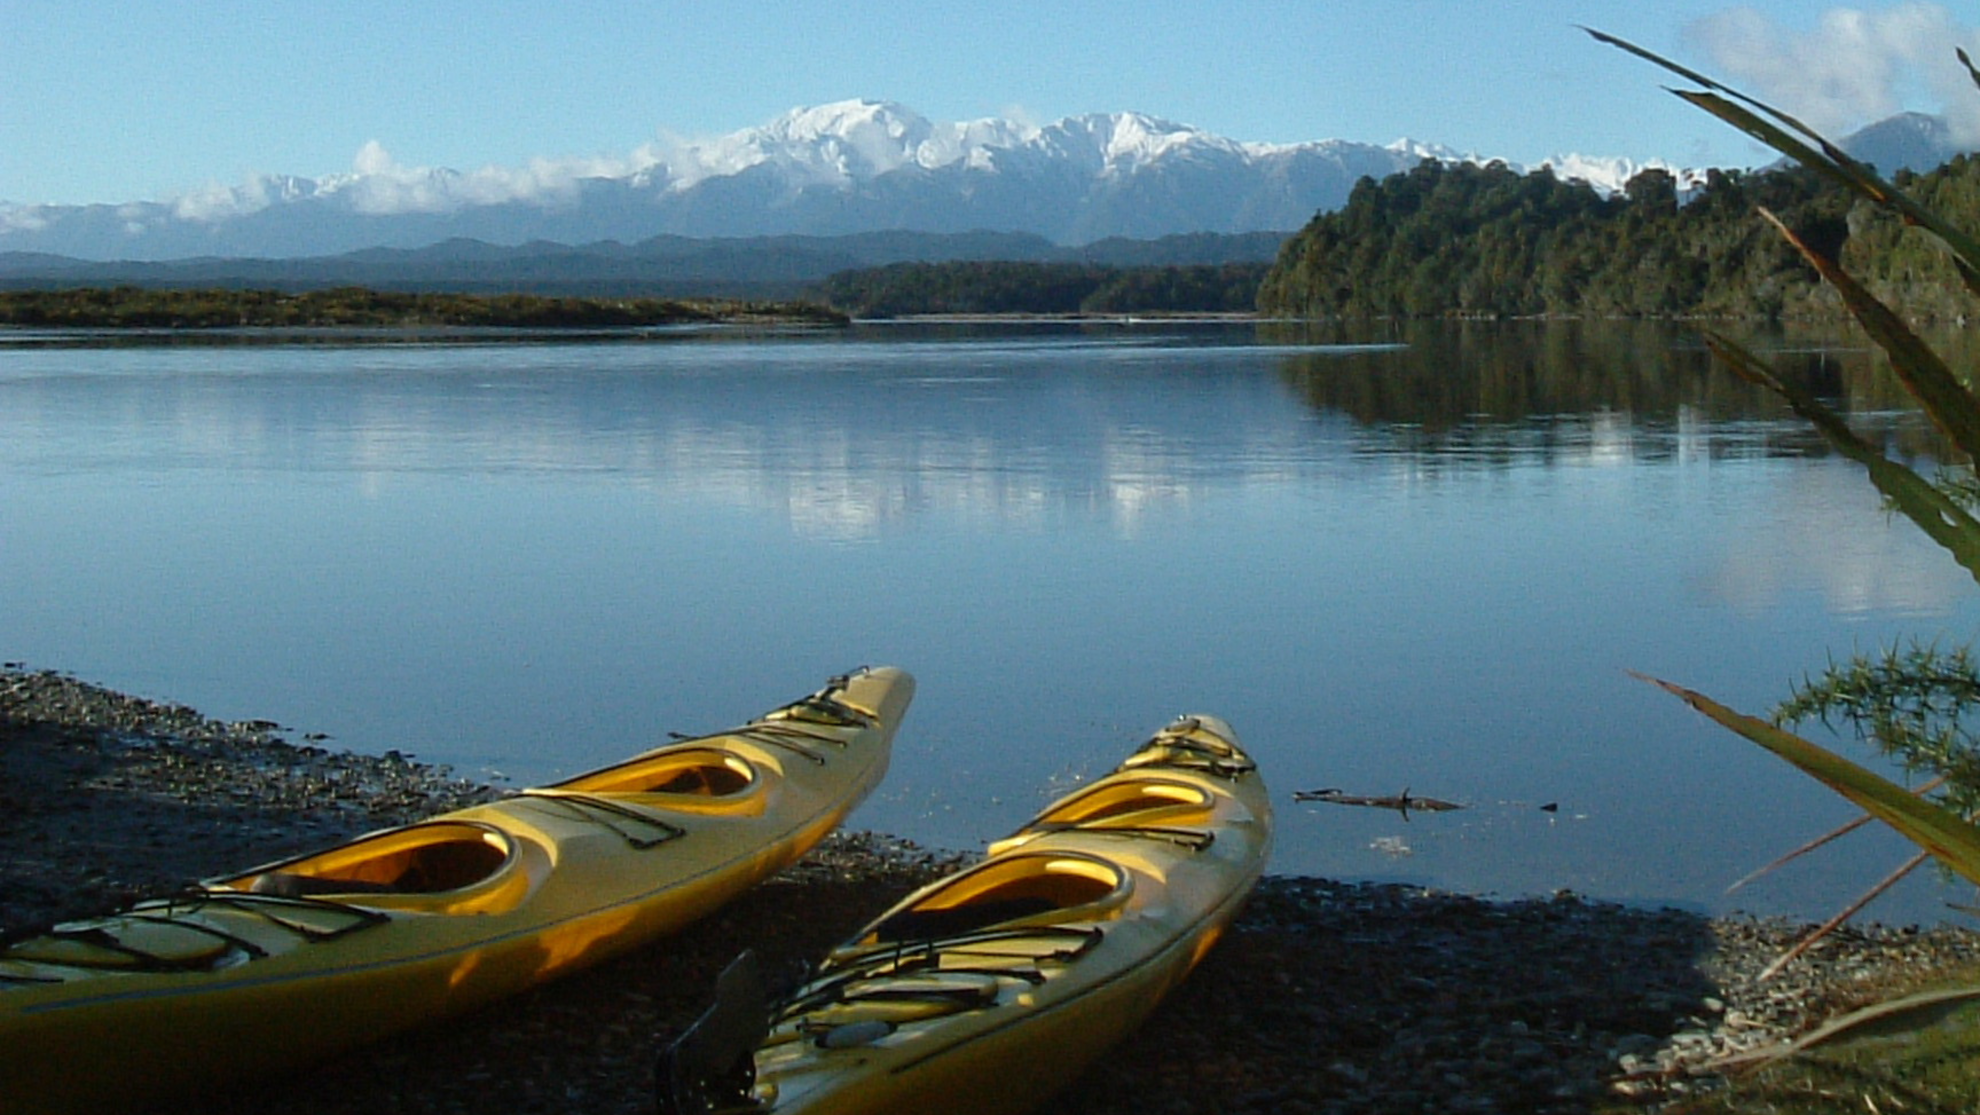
1021,116
216,202
683,162
22,218
379,184
372,158
1852,68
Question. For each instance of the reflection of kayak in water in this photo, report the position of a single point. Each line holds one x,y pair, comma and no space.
1403,802
250,973
989,990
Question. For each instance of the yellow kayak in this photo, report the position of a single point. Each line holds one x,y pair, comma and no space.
989,990
254,972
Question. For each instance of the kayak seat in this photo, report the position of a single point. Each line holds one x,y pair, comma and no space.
926,925
287,884
687,771
403,866
1018,888
1152,806
1128,798
711,781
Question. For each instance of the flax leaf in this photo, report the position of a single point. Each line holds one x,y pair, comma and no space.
1940,517
1851,176
1701,80
1954,841
1952,407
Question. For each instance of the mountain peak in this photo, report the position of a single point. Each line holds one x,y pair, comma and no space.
840,144
1134,140
1907,141
849,119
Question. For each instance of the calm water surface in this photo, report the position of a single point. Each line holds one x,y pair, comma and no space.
1421,561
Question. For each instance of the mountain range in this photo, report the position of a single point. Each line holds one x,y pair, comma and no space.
838,169
816,189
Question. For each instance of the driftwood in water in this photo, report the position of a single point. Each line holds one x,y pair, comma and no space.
1401,803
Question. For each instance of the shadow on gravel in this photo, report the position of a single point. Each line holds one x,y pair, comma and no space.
93,817
1330,997
1323,998
79,834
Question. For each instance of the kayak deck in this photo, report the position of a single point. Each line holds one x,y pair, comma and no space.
989,989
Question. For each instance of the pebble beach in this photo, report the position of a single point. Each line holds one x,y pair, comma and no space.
1324,997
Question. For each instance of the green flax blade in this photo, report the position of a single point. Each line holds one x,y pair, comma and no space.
1942,519
1850,177
1701,80
1938,831
1952,407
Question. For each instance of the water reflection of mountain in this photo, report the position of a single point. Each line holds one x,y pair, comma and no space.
1480,391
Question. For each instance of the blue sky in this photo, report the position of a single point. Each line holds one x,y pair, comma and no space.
116,100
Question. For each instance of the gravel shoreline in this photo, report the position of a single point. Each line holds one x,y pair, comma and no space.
1324,997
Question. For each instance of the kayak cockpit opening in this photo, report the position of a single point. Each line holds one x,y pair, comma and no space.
693,771
1140,800
1036,889
1143,806
439,857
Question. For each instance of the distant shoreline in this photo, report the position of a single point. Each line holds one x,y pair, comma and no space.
723,319
1144,318
17,337
348,312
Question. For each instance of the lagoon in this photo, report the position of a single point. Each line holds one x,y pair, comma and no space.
1422,558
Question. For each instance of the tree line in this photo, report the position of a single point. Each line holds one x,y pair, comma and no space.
1009,287
131,307
1485,241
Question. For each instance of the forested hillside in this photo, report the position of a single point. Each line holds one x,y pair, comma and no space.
1907,266
1466,240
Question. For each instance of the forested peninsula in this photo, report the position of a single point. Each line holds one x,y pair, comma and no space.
1462,240
130,307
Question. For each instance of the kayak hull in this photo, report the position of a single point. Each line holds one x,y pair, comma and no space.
271,968
990,990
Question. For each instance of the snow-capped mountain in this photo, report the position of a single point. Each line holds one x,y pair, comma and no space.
836,169
849,167
1610,174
